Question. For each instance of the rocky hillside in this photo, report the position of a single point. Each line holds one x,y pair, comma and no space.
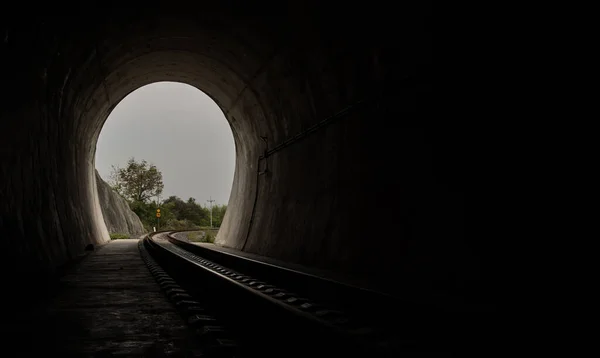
117,215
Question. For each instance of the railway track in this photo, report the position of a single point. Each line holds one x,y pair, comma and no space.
242,307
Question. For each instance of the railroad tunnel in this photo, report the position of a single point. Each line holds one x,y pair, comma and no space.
337,164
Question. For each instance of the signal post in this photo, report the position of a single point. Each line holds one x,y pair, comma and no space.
158,219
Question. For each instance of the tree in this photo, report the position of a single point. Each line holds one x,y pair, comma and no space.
218,213
189,210
138,181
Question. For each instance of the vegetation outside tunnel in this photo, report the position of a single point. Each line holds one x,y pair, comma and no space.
140,183
204,234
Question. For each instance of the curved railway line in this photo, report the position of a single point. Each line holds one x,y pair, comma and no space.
244,307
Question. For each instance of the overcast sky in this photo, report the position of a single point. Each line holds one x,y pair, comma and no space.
180,130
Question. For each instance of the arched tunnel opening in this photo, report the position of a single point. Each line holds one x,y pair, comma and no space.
338,165
166,146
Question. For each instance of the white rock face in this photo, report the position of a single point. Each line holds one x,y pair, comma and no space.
115,210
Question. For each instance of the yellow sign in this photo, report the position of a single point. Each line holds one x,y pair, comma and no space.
158,210
157,215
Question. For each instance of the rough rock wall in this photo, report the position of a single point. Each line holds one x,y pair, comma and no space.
118,217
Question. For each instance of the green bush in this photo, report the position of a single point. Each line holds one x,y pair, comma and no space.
209,238
195,236
179,225
118,236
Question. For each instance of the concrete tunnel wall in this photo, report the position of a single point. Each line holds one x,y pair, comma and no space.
275,72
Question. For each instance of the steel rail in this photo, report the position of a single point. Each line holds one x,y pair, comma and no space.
299,315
